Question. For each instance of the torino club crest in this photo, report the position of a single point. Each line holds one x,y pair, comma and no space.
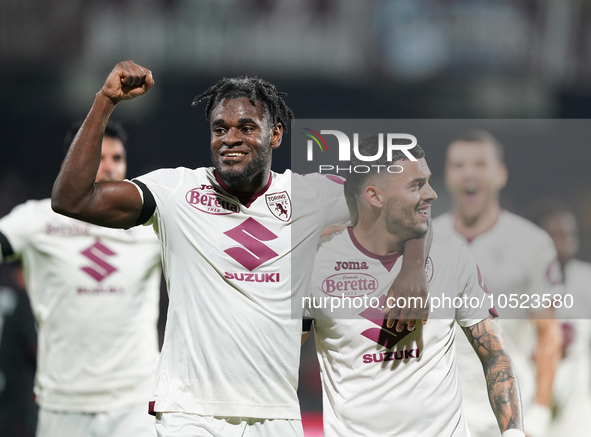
280,205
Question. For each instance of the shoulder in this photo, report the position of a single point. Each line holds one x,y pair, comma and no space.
333,243
443,222
579,269
447,249
313,179
445,240
34,209
521,230
165,175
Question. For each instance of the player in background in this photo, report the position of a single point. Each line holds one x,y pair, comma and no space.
231,351
516,257
377,381
571,397
94,293
18,355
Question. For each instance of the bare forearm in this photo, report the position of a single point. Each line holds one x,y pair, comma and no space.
503,391
417,250
547,357
74,185
414,253
487,340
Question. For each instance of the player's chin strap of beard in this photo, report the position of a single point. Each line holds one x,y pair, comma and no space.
513,433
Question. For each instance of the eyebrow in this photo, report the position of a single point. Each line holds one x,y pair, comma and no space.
221,121
422,179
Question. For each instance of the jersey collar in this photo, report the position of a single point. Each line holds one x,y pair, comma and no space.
245,199
387,261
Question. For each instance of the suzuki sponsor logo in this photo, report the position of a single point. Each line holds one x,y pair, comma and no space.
385,337
250,234
253,277
97,254
100,290
391,356
209,199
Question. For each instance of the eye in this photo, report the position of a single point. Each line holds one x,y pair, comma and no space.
248,129
219,130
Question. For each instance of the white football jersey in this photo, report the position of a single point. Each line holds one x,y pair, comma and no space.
232,340
516,257
94,292
376,381
572,383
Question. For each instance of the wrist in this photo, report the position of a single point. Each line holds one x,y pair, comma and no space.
414,252
413,261
102,99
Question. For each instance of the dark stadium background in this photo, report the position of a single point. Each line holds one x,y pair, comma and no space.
334,58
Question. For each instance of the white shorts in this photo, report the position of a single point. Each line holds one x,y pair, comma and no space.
194,425
124,422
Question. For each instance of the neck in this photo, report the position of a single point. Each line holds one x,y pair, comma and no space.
246,185
376,238
471,227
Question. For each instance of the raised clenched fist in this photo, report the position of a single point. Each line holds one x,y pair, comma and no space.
127,81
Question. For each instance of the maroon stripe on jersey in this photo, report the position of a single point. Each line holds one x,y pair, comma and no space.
245,199
387,261
151,406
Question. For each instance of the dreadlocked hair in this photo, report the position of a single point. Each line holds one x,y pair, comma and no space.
254,89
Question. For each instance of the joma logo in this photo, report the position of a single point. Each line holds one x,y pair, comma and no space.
351,265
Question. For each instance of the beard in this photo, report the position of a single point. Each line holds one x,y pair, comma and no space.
400,218
234,176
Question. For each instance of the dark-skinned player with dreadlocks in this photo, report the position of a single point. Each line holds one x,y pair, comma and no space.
229,362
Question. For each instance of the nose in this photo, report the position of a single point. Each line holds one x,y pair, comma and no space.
429,195
232,137
106,166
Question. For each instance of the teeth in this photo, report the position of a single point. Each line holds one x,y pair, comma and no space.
235,154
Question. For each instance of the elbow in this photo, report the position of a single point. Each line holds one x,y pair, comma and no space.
59,206
62,204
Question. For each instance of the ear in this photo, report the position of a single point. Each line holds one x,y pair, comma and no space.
373,196
276,135
503,176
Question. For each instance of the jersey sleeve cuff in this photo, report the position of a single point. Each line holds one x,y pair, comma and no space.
148,202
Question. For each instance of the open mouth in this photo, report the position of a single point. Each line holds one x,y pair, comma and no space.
470,192
423,211
233,155
470,188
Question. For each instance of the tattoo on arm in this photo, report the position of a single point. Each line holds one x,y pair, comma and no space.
487,340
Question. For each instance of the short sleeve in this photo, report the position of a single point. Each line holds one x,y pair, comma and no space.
476,306
161,184
328,191
16,226
544,272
